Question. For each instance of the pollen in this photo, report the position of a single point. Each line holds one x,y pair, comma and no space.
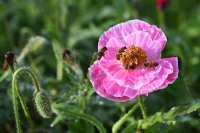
131,57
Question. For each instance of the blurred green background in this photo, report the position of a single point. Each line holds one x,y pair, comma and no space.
77,25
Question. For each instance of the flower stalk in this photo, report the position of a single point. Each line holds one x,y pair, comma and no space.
59,70
12,69
123,119
142,108
161,20
16,92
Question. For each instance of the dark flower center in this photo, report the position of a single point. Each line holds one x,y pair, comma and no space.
131,57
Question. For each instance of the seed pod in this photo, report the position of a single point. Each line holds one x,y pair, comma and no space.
43,104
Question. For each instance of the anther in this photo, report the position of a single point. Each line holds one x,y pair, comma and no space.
131,57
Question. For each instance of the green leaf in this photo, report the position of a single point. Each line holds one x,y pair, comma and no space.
168,117
63,112
80,126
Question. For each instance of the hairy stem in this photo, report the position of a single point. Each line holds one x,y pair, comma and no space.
187,85
12,69
161,20
141,103
15,107
25,109
15,89
123,119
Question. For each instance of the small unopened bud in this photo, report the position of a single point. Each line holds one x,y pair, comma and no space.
9,60
161,4
68,56
43,104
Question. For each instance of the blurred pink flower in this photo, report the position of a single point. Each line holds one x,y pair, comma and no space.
161,4
129,62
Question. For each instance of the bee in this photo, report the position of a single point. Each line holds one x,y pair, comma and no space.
119,52
149,64
101,53
9,60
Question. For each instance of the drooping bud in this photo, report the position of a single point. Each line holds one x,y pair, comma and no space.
43,104
161,4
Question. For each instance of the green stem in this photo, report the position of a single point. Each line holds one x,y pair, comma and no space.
161,20
15,108
121,121
25,109
15,88
187,85
141,103
59,70
9,33
31,74
12,69
78,71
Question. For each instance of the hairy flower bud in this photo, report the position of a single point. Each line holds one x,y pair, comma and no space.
43,104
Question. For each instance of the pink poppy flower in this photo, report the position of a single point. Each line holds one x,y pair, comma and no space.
129,62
